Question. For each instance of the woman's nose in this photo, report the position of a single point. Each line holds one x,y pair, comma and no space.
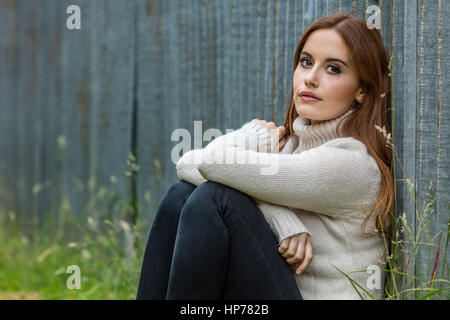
311,77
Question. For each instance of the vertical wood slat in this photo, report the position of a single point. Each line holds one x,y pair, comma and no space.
425,142
112,67
443,136
46,185
8,101
75,111
429,137
404,88
151,131
26,124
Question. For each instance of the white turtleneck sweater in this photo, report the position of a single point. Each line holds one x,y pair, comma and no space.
316,184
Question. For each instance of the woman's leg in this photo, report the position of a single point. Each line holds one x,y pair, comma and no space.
225,249
158,252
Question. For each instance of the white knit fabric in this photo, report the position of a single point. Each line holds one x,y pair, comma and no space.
318,183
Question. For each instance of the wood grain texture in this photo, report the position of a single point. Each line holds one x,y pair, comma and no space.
405,101
8,101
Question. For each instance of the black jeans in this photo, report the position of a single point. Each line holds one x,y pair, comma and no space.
212,242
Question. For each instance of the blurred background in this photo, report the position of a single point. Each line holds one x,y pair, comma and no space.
87,115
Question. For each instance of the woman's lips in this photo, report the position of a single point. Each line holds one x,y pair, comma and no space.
308,98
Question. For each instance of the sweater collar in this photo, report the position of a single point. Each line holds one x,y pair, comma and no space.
312,136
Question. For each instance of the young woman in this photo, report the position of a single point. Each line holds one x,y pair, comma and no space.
314,203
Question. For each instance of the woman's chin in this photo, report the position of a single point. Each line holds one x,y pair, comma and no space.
305,111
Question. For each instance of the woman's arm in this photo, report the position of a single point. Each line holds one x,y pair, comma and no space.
187,167
332,179
251,136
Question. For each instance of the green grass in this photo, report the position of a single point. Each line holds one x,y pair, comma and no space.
35,267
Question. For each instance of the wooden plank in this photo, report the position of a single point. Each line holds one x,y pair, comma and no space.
248,12
111,90
288,44
346,6
299,27
237,63
209,73
291,38
387,18
46,183
428,139
441,223
405,98
75,113
8,103
320,9
258,34
26,86
399,126
333,6
359,8
426,147
151,137
268,58
308,13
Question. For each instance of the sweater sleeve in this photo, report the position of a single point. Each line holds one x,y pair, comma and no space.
333,179
251,136
187,167
282,220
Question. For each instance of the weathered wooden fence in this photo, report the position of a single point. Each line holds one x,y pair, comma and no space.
75,103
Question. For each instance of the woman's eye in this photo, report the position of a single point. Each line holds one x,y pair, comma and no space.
302,60
334,69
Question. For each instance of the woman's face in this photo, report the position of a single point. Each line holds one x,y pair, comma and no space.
334,82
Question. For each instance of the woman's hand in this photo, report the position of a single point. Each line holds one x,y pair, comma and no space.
278,133
297,249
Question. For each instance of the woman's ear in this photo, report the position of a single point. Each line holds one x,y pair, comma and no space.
360,96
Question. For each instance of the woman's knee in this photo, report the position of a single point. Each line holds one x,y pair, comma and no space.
176,197
180,189
209,190
223,197
216,188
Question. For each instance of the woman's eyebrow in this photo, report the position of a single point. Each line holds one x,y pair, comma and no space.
327,59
